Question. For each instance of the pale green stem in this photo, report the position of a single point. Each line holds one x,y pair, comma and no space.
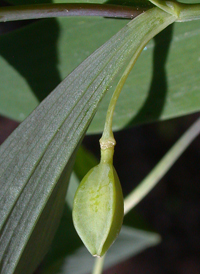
98,265
183,12
107,136
154,177
168,160
107,141
161,168
189,13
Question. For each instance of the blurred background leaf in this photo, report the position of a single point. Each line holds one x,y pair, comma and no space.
77,260
163,84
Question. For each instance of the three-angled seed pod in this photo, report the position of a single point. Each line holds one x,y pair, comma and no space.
98,206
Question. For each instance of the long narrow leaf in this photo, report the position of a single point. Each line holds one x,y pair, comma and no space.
36,160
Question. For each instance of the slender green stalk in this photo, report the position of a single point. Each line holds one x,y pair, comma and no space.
36,11
98,265
183,12
162,167
107,138
107,141
154,177
189,13
173,154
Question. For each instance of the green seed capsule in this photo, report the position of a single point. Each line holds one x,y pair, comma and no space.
98,206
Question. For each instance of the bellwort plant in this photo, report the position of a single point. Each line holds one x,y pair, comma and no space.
37,159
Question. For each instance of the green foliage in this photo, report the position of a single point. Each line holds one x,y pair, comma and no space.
37,159
41,150
36,58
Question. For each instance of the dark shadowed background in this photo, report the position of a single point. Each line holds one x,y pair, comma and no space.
172,208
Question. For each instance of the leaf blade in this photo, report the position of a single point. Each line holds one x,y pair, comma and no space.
36,154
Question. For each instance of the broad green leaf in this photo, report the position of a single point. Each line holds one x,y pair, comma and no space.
36,160
164,82
66,240
155,89
36,58
129,243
